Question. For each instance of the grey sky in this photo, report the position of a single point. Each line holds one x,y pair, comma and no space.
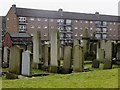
83,6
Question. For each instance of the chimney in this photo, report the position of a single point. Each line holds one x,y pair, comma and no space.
61,12
14,7
97,14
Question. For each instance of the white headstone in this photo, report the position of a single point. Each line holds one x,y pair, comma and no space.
26,64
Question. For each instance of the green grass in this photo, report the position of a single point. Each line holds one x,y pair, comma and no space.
98,78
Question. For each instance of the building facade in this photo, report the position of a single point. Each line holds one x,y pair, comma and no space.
71,25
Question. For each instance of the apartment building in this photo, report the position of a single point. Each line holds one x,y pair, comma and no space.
2,28
71,25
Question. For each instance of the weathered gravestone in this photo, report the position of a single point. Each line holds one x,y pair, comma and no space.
45,57
0,59
36,49
67,60
77,57
29,48
26,63
54,51
108,55
96,62
6,57
118,52
15,60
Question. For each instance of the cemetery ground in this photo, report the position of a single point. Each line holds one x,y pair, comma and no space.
97,78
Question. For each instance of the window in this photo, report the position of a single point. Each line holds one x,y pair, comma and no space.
104,23
68,21
45,19
39,19
76,20
81,21
98,29
104,29
32,19
7,18
60,20
52,27
61,35
114,23
104,36
60,28
22,18
39,27
51,20
32,27
81,35
98,36
86,21
110,23
68,28
110,29
91,29
76,35
22,27
91,21
75,27
45,35
68,35
45,27
81,28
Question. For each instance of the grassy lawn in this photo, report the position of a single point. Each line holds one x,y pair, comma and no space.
98,78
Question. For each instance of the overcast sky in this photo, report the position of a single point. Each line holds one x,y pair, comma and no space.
83,6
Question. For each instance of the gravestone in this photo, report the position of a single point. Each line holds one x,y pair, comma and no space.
36,49
61,52
118,52
77,57
6,57
95,64
100,54
102,44
0,59
67,60
108,55
54,51
107,64
29,48
46,56
26,63
15,60
108,50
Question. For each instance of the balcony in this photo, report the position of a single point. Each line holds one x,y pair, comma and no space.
100,32
22,22
22,30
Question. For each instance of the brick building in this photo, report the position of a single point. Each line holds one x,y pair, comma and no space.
71,25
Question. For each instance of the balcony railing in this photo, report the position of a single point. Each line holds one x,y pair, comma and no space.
22,22
102,26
